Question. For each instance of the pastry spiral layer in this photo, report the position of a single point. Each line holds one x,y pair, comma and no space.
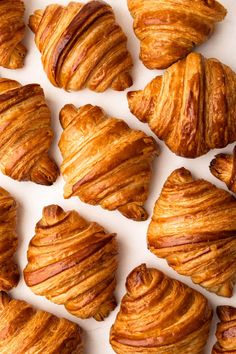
9,275
192,107
194,228
82,46
12,30
25,133
73,263
24,330
160,315
104,161
226,330
223,167
168,29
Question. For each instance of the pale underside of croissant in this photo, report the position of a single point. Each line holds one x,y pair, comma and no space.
73,262
168,29
82,46
223,167
192,107
9,275
226,329
12,30
160,315
25,134
25,330
105,162
194,228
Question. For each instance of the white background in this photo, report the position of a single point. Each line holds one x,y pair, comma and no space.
131,235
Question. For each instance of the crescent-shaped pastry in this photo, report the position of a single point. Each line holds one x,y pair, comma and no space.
25,330
226,331
25,133
12,30
168,30
192,107
73,263
194,228
9,275
160,315
82,46
223,167
104,161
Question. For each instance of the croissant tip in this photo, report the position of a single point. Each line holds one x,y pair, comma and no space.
134,211
67,114
104,310
45,172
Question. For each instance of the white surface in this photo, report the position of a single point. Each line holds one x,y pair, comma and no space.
131,235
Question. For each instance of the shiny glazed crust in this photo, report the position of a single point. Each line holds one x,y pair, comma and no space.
73,262
168,30
226,331
104,161
25,134
194,228
24,330
160,315
82,46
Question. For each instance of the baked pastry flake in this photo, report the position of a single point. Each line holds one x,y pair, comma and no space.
226,329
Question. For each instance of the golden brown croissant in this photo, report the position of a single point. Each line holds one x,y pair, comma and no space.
192,107
105,162
194,228
226,329
169,29
73,262
24,330
160,315
223,167
9,275
12,30
82,46
25,134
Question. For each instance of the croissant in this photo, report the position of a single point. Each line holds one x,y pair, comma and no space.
24,330
25,134
12,31
223,167
225,334
105,162
82,46
192,107
160,315
73,262
194,228
169,29
9,275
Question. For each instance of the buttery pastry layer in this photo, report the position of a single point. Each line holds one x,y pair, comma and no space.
226,331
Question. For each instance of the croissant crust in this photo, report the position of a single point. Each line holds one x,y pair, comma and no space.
24,330
160,315
192,107
194,228
25,134
104,161
9,275
82,46
226,329
12,30
73,262
168,29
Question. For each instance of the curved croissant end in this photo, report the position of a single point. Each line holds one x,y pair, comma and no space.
192,107
26,134
194,228
168,30
12,30
82,46
9,274
25,330
226,329
160,315
104,161
73,262
223,167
